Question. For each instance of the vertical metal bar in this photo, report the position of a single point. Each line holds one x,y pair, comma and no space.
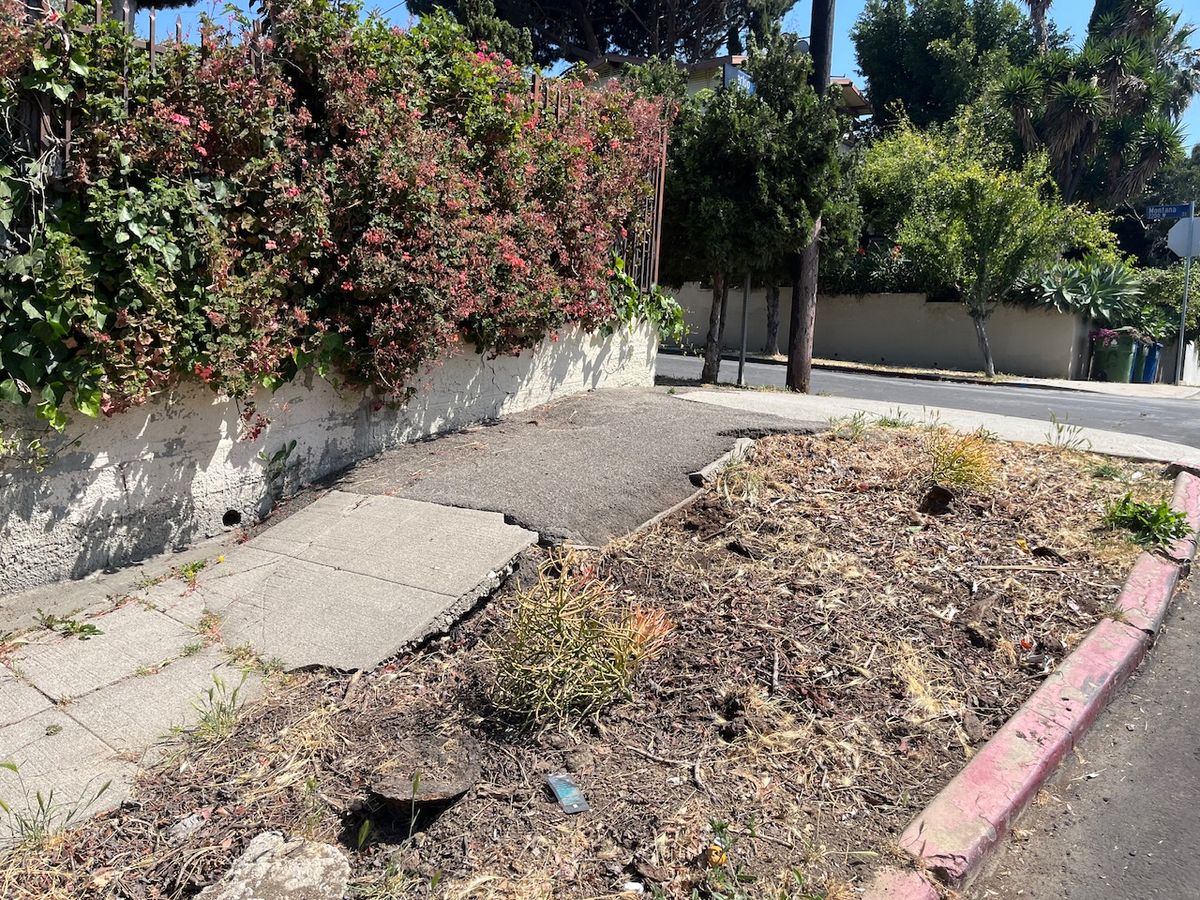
153,37
741,379
660,187
178,32
99,12
126,15
1187,284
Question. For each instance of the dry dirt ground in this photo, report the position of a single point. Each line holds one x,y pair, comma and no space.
843,638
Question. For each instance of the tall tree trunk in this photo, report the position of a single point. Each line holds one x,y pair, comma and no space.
804,286
989,365
772,345
804,315
716,329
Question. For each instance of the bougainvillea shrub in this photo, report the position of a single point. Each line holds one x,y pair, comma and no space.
334,193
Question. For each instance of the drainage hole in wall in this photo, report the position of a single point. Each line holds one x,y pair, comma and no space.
232,517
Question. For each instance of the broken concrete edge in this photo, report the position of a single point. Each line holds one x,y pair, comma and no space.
704,478
954,834
741,449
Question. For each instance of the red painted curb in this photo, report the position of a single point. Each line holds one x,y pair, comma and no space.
975,811
900,884
1186,498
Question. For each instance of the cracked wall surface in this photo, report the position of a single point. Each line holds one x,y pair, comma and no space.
175,471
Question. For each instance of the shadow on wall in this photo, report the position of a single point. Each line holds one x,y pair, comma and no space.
175,470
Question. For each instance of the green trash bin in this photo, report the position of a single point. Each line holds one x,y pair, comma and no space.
1112,356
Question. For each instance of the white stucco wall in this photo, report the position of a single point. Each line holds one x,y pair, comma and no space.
905,330
165,474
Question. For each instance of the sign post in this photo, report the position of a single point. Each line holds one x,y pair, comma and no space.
1182,240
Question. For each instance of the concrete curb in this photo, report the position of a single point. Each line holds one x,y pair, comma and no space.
953,835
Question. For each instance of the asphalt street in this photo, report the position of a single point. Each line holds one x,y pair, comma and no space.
1120,821
1168,420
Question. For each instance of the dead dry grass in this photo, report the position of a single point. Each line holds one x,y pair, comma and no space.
837,656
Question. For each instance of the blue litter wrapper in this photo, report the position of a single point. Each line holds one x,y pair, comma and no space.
567,793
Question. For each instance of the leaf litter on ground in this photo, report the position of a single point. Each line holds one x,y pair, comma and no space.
837,655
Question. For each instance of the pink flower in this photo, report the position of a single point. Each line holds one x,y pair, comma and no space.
271,245
293,192
180,119
347,286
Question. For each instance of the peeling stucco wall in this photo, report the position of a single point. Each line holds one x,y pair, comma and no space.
166,474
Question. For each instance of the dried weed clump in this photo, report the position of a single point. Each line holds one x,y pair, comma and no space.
572,647
960,461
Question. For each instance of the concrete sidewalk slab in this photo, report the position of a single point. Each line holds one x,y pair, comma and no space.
64,762
133,638
18,700
350,580
808,408
137,713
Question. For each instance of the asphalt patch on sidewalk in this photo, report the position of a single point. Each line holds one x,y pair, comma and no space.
586,468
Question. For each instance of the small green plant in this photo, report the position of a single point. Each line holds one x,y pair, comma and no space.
852,427
962,461
1065,436
218,708
67,626
189,572
570,648
1106,471
896,419
631,305
275,467
1149,525
46,815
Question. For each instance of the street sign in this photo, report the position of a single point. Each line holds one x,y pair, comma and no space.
1184,239
732,74
1168,211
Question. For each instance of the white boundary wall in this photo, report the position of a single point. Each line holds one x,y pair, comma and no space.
905,330
165,474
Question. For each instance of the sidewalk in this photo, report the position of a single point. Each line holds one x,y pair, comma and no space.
339,578
1148,391
809,408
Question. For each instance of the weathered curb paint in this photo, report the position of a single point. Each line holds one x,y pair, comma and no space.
900,884
953,835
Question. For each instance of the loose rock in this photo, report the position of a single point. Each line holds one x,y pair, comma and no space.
273,868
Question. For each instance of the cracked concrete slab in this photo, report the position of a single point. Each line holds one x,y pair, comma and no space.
139,712
132,638
17,699
350,579
76,773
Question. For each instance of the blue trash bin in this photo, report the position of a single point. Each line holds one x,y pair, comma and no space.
1149,370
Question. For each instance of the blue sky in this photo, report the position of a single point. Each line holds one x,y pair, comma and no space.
1069,15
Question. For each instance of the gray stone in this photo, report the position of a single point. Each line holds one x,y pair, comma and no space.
138,712
17,699
76,773
276,869
351,580
134,638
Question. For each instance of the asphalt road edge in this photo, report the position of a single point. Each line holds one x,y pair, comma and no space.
952,837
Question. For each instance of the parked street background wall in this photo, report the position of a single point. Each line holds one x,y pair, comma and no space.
905,330
175,471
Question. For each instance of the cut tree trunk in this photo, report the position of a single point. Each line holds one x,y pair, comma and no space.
772,346
804,314
716,332
989,365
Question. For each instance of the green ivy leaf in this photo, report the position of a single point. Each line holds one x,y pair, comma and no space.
88,402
